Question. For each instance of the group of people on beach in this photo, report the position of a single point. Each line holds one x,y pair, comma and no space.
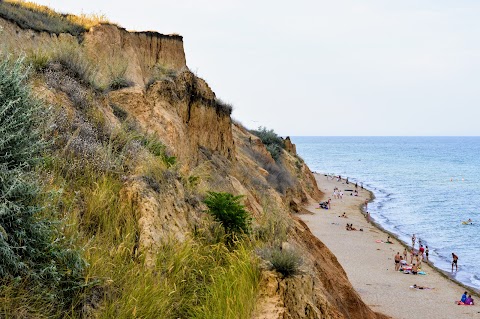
350,227
466,300
337,194
417,256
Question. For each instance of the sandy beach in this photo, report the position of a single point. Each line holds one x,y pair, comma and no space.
370,265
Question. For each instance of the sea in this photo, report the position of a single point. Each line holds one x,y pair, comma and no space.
422,185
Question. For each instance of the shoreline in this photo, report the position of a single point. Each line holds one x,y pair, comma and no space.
474,291
361,255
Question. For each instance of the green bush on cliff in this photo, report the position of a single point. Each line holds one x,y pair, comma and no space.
271,140
32,250
227,210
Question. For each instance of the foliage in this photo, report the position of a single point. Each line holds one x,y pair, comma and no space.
271,140
278,175
158,149
119,112
188,280
223,107
40,18
118,79
29,15
285,261
31,247
227,210
161,72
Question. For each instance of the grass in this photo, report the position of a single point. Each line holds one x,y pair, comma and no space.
82,179
285,261
161,72
29,15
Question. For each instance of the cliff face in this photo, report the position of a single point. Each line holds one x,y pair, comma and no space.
179,110
112,49
142,50
182,111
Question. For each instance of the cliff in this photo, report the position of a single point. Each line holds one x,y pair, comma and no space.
160,142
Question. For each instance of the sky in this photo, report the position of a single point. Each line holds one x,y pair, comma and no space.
325,68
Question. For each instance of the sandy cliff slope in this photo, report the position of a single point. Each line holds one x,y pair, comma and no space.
167,101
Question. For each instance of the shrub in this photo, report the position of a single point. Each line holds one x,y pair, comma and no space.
161,72
227,210
223,107
28,15
118,80
119,112
157,148
31,247
278,176
285,261
271,140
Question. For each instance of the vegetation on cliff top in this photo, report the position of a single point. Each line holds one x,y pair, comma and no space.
29,15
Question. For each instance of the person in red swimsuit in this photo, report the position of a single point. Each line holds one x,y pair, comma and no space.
421,250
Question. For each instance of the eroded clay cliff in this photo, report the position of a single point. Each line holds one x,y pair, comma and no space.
182,111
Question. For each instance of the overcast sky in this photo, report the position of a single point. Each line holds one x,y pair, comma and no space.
338,67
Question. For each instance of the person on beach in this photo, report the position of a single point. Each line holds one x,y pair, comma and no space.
405,253
413,241
418,260
464,297
419,287
368,217
414,269
397,261
366,204
412,253
328,203
469,300
421,250
455,261
356,185
426,252
388,240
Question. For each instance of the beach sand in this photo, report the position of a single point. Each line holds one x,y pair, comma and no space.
370,265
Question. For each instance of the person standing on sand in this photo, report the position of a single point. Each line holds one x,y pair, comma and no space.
413,240
405,253
366,204
421,250
454,262
419,260
397,261
426,252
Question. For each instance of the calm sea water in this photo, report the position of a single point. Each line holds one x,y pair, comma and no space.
422,185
